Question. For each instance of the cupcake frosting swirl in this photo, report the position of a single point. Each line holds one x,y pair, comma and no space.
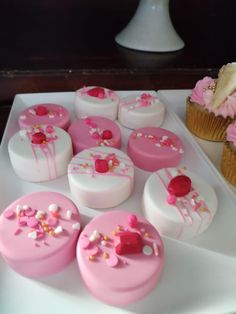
203,93
231,133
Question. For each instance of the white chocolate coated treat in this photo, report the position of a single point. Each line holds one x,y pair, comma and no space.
96,101
186,216
45,159
95,189
138,111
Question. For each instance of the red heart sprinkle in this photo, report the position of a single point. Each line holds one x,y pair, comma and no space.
179,185
98,92
41,110
101,165
130,243
38,138
107,135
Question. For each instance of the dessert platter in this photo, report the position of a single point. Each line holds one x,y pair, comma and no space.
189,270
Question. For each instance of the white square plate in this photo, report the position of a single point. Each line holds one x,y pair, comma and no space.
198,274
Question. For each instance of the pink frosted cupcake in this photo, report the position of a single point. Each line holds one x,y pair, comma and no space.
212,105
228,163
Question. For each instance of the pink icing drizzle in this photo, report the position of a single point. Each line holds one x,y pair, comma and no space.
48,148
184,206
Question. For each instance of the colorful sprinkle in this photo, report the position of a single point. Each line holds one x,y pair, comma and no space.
32,222
155,248
76,226
68,214
9,214
58,230
112,261
147,250
132,221
53,208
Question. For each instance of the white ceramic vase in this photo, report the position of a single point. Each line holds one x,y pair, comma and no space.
150,29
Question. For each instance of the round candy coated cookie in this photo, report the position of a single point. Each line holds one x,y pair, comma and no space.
94,131
120,257
45,113
38,233
154,148
179,203
96,101
138,111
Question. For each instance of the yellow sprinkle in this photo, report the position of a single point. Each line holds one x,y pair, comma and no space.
113,233
203,209
51,232
146,234
45,229
106,238
91,258
105,255
119,228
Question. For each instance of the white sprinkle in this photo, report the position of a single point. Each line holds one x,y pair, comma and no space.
76,226
164,137
18,209
40,214
110,163
174,148
58,230
51,116
32,111
192,201
147,250
32,235
102,144
68,214
181,151
23,133
53,208
95,235
155,248
25,207
139,134
104,243
106,142
122,166
23,117
158,145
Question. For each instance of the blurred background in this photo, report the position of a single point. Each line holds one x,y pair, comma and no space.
52,45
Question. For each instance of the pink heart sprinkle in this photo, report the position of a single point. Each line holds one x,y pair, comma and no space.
52,222
112,261
32,222
9,214
30,212
93,251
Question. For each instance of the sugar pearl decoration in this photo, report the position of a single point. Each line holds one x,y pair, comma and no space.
147,250
95,235
32,235
53,208
76,226
58,230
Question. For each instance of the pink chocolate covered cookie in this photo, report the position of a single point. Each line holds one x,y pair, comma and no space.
94,131
38,233
120,256
45,113
96,101
154,148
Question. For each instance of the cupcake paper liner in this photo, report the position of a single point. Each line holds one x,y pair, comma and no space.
228,162
205,124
